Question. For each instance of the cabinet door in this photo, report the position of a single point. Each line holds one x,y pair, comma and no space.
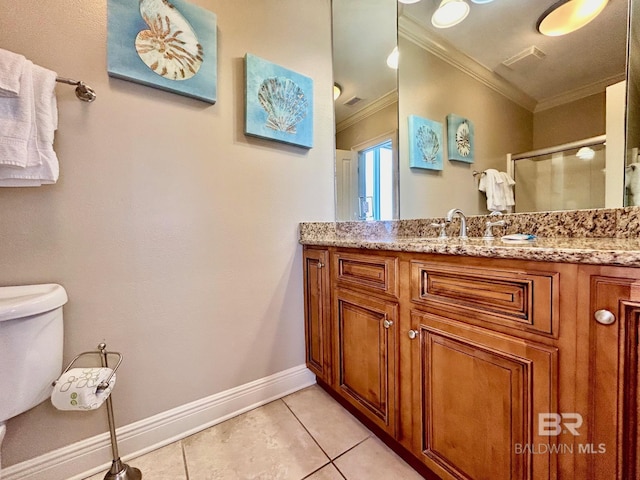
365,355
480,393
609,345
317,312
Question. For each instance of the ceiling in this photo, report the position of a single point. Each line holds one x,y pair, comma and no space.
587,59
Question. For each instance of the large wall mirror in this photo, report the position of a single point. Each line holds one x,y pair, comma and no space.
549,111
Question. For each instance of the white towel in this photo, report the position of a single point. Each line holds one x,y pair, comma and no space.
40,163
632,183
498,187
11,66
17,116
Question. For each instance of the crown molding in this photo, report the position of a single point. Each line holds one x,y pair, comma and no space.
579,93
371,109
411,30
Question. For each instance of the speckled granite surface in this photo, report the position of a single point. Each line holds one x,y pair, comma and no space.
602,236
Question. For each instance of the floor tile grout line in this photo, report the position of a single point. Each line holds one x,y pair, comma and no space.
306,430
349,449
184,459
316,470
331,460
339,471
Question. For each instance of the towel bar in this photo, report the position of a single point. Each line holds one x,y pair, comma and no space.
475,173
83,91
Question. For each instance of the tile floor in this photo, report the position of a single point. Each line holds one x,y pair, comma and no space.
306,435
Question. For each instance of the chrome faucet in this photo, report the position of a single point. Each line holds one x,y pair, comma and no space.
463,221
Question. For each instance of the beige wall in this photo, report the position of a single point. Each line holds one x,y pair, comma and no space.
431,88
174,234
381,122
584,118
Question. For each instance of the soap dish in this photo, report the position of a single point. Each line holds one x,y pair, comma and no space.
522,238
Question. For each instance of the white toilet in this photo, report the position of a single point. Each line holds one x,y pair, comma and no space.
31,339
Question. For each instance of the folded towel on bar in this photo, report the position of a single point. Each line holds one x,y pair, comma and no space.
498,186
27,126
11,66
17,115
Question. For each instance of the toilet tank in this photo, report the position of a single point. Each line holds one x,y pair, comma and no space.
31,341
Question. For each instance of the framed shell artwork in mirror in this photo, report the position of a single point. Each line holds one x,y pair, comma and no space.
278,103
425,143
460,138
165,44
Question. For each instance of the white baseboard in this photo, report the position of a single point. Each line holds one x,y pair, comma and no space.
93,455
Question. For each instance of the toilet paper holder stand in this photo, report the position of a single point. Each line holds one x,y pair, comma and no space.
119,470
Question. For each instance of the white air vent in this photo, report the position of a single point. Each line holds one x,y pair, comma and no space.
352,101
525,59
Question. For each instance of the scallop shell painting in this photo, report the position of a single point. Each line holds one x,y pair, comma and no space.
278,103
460,138
425,143
165,44
285,103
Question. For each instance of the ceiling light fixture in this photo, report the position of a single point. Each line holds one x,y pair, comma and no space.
408,2
450,13
568,16
393,58
480,2
586,153
337,91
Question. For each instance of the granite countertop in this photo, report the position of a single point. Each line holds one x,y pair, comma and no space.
597,237
596,251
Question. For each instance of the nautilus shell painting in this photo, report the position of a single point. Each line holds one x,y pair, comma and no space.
460,138
166,44
278,103
425,143
169,47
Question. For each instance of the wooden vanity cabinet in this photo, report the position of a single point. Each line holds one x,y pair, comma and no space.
482,368
608,334
317,312
484,344
364,323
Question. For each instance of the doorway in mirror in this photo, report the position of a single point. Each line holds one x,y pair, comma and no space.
366,180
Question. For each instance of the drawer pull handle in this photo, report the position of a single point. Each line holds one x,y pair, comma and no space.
412,334
605,317
387,323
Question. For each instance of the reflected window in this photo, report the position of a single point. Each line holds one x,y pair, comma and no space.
375,178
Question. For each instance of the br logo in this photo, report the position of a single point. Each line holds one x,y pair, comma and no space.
553,424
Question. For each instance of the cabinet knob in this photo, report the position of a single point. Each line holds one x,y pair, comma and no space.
387,323
412,334
320,264
605,317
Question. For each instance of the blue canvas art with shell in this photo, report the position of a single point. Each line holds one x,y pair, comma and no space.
278,103
166,44
425,143
460,137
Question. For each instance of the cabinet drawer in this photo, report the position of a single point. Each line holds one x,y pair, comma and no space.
515,299
375,273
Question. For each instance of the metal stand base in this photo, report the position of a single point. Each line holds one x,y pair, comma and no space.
122,471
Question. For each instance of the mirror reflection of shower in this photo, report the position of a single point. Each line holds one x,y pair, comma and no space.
567,177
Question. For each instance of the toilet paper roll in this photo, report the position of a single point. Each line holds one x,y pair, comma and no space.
77,389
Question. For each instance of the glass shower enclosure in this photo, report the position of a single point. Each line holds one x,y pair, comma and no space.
566,177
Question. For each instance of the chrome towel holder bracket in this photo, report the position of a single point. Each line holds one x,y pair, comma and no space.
83,91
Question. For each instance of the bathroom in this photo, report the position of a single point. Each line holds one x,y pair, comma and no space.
174,233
